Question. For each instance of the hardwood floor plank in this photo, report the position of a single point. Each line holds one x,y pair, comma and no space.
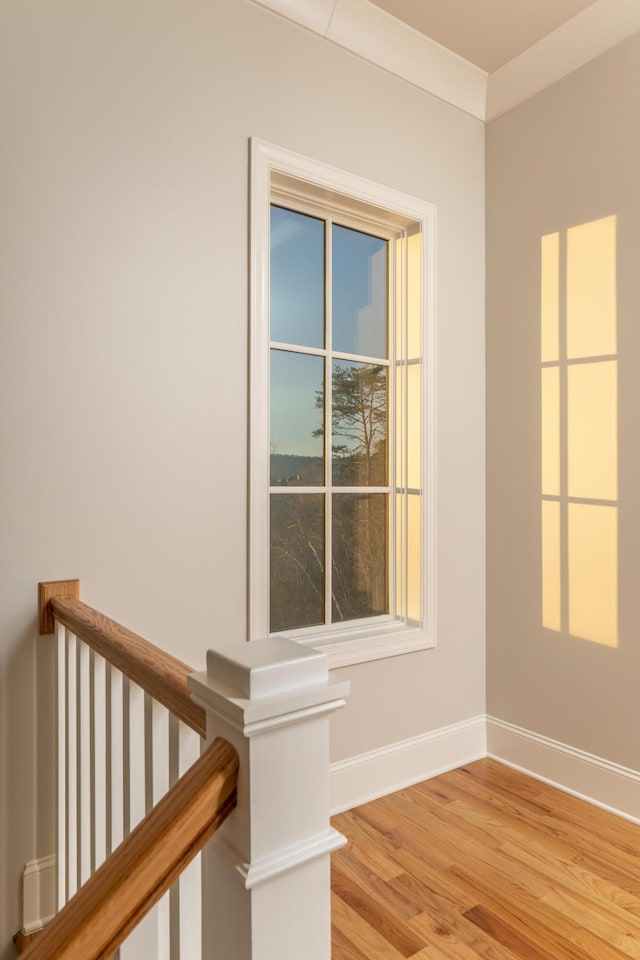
563,836
437,833
562,933
359,932
484,863
354,824
562,815
391,827
435,882
511,827
431,816
509,935
588,917
381,918
453,896
445,940
467,782
612,828
441,923
343,947
542,854
492,807
402,905
368,846
574,877
447,905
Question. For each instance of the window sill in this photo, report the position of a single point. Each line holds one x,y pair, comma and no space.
360,645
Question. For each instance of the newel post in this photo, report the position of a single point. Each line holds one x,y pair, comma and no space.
266,892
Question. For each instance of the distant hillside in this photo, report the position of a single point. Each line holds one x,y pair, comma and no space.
287,469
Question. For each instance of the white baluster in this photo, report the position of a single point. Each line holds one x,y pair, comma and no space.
61,711
174,892
99,785
72,766
160,786
190,882
142,943
135,754
84,761
116,758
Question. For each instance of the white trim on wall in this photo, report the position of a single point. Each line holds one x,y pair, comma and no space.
389,43
587,35
376,36
605,784
39,893
368,640
376,773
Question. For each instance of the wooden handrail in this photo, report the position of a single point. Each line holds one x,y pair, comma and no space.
158,673
106,909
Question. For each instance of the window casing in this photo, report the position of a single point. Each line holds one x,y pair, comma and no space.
366,517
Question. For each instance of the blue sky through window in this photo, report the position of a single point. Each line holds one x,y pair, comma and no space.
359,300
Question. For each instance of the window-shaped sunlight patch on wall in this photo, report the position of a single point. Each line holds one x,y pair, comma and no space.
579,415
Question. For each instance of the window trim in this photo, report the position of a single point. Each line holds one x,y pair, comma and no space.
378,637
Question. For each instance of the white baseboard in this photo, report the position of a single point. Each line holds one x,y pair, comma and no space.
39,893
605,784
378,772
374,774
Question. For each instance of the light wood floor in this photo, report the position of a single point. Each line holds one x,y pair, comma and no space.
484,862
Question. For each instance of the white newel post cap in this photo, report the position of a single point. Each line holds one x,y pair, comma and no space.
268,865
260,681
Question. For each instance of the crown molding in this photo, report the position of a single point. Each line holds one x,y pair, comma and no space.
376,36
381,39
587,35
315,15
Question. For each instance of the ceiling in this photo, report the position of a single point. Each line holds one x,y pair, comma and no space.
488,33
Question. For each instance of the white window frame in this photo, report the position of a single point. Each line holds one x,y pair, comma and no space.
376,637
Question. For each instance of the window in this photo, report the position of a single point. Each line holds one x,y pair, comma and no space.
342,498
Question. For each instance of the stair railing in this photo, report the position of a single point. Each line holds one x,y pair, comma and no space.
111,904
127,730
137,802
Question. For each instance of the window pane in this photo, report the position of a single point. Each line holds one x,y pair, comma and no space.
414,426
413,284
297,278
359,563
359,424
408,295
359,287
297,560
297,414
414,558
408,574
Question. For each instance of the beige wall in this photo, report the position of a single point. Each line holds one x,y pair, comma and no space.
123,368
567,157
